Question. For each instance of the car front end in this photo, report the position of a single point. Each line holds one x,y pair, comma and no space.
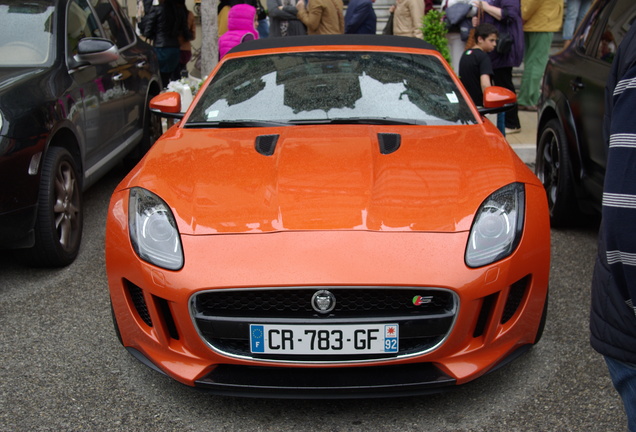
365,259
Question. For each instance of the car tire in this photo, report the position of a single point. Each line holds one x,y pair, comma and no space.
59,223
554,169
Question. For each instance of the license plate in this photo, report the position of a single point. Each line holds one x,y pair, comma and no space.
324,339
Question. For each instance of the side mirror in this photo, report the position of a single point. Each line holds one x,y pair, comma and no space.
96,51
497,99
167,105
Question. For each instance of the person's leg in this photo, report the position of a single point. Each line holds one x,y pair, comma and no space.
263,28
501,123
624,379
571,16
456,47
503,78
534,62
583,8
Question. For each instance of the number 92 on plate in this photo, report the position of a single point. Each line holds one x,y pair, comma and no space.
324,339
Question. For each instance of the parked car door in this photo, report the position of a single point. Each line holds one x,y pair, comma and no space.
128,68
99,86
598,44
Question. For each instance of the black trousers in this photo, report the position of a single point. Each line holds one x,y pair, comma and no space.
503,78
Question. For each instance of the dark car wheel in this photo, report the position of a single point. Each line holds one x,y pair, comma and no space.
554,169
58,228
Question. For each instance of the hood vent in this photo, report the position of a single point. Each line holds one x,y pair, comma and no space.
389,142
266,144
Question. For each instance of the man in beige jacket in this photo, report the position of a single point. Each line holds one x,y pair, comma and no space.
407,18
322,16
541,18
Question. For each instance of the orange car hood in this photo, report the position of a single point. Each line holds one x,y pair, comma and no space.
327,177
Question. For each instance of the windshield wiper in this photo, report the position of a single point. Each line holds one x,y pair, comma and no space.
235,124
361,120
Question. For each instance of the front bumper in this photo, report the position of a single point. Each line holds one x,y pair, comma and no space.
499,313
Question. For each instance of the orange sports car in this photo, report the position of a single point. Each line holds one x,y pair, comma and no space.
331,217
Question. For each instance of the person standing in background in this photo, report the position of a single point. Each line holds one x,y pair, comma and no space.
613,310
322,16
457,44
541,18
574,13
164,24
283,19
407,18
223,10
360,17
505,15
475,68
185,45
241,27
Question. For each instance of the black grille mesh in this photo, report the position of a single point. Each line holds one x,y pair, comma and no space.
297,302
137,297
223,316
515,297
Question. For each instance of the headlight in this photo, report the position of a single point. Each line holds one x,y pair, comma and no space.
153,230
498,225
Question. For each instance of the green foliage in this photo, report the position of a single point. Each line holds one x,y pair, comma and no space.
434,31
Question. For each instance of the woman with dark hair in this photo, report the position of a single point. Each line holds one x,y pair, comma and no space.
164,25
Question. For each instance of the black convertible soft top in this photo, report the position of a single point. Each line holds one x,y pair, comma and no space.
347,39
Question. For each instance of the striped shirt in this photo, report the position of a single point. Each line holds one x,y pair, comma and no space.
619,195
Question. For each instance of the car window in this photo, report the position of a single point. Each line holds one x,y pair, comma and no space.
620,20
26,33
112,25
333,86
128,28
80,23
585,37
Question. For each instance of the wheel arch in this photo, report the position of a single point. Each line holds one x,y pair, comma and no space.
153,89
66,137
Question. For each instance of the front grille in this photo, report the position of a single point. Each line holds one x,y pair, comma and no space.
223,317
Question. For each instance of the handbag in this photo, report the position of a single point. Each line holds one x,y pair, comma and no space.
388,28
455,14
470,40
504,45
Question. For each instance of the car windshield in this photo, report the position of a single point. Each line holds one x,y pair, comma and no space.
26,33
331,87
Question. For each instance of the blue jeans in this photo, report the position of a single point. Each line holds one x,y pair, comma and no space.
574,14
501,123
624,380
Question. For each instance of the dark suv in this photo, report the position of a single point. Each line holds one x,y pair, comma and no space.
570,149
75,83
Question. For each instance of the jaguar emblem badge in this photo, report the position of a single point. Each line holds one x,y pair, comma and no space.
323,301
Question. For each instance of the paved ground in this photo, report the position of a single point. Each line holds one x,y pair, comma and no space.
525,142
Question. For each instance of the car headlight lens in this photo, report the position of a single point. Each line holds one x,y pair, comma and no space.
498,226
153,230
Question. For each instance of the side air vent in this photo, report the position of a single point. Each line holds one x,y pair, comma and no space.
138,300
389,142
266,144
